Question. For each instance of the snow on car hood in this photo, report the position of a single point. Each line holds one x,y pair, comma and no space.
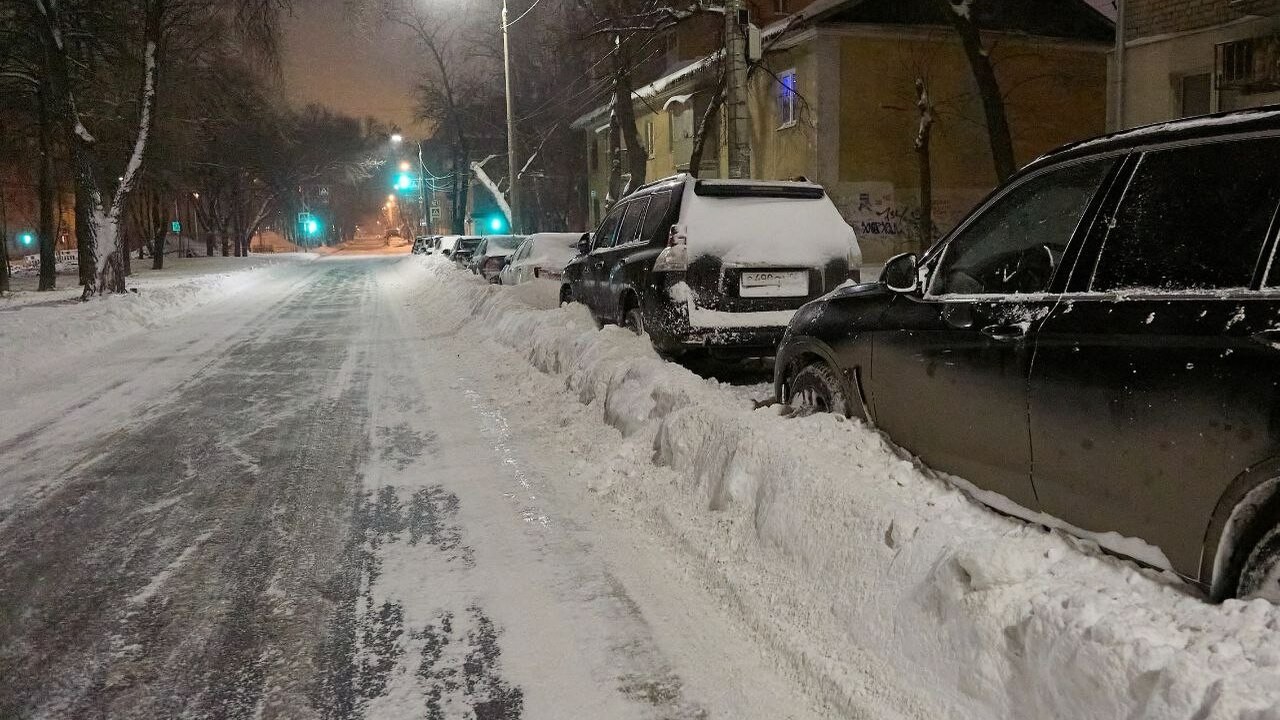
766,232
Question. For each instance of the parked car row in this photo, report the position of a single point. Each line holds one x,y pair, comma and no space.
1095,348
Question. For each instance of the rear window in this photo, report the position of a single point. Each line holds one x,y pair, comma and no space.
468,243
506,242
1193,218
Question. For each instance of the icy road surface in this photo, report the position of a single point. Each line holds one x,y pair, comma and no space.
299,502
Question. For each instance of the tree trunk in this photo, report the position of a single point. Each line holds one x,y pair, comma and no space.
924,134
960,12
159,236
705,124
637,153
48,237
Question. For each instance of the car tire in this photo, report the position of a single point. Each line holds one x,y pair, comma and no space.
1260,575
816,388
495,280
633,320
566,295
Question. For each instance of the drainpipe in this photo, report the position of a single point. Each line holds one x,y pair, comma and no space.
1119,66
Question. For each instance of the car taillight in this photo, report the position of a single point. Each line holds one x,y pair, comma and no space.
676,236
675,257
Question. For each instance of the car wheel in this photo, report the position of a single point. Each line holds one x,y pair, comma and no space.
817,388
1260,576
634,320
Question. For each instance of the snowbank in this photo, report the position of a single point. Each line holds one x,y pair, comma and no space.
37,327
878,581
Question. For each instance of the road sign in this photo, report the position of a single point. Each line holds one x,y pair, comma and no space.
303,218
175,226
435,213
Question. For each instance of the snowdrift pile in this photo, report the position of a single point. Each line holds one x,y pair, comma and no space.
878,583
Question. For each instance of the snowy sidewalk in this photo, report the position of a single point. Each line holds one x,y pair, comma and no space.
874,583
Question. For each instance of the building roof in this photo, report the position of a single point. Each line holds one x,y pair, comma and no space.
1066,19
1073,19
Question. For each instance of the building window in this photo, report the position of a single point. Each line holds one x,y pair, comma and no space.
1197,95
648,138
788,101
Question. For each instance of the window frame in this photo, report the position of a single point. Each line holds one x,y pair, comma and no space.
1266,253
649,139
620,209
1096,206
644,213
788,96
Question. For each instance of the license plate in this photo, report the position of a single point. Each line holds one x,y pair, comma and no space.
774,284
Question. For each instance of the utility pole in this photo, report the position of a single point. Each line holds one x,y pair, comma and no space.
739,120
511,127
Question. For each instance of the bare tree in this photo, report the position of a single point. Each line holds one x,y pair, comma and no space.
961,15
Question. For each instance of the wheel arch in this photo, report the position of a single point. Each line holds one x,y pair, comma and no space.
1253,494
804,351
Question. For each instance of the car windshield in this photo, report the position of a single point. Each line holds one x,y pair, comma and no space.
468,244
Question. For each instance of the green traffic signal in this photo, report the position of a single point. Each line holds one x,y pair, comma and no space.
27,239
404,181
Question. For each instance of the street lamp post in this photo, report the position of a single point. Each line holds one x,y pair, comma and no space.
511,125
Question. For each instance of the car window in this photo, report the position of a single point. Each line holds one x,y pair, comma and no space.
659,208
632,221
1192,218
604,236
1015,245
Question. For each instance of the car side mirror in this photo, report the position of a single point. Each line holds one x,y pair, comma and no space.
902,273
584,244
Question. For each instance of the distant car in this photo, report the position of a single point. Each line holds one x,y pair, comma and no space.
464,248
447,244
491,256
713,265
1095,348
541,257
423,245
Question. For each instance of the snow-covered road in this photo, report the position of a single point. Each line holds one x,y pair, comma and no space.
377,487
304,501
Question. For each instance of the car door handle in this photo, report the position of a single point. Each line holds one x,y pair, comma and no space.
1270,338
1006,333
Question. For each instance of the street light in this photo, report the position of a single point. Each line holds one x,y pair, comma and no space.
397,138
27,239
404,165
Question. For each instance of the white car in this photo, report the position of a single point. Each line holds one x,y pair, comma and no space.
447,243
541,256
538,264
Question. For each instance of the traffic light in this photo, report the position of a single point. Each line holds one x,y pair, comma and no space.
404,182
497,224
27,239
313,227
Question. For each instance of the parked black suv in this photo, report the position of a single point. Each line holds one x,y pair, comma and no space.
719,265
1097,347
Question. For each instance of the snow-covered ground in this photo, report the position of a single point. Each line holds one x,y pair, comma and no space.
542,509
59,324
869,580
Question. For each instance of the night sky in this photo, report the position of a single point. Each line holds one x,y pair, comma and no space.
356,71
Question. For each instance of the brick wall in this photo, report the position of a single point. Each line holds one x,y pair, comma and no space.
1145,18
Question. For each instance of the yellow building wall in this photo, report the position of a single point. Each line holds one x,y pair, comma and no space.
1055,93
783,151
